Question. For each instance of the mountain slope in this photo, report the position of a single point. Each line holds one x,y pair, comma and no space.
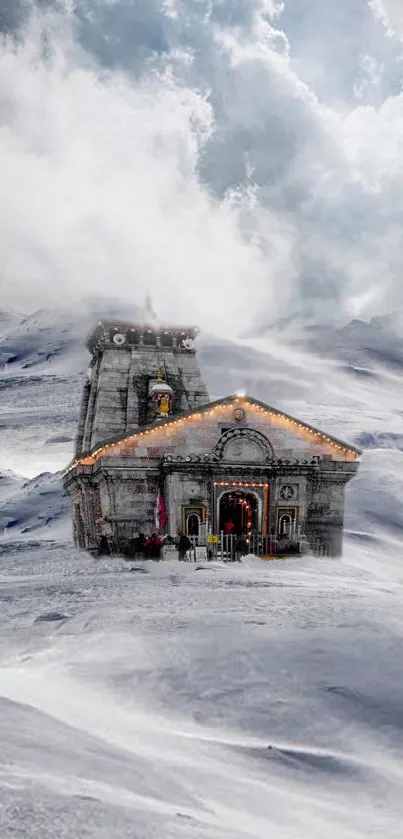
173,700
361,402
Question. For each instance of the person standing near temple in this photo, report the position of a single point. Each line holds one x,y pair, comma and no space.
103,547
241,548
183,544
153,547
229,528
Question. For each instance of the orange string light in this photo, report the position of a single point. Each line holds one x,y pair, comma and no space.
239,484
91,458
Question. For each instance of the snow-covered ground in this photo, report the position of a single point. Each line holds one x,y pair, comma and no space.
172,700
168,700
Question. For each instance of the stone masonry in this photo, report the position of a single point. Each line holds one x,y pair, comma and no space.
199,456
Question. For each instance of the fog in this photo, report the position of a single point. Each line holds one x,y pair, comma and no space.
213,154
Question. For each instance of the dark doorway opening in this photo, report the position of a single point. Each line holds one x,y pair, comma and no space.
193,524
149,338
238,512
132,337
166,339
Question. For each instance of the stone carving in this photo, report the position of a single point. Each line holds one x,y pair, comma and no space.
244,445
244,450
209,457
286,492
318,509
212,457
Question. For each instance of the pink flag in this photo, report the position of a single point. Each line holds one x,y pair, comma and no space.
160,512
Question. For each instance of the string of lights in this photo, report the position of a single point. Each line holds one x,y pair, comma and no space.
239,484
138,437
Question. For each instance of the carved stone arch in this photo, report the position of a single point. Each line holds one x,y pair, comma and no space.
243,445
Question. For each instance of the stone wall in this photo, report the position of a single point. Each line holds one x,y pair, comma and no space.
115,401
304,471
128,499
200,435
325,509
182,489
87,515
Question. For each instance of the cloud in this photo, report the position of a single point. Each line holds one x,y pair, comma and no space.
102,194
390,13
187,148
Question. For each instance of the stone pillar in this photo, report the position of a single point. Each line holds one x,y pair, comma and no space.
89,418
325,507
112,396
81,422
132,417
172,501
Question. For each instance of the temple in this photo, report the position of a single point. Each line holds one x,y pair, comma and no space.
152,452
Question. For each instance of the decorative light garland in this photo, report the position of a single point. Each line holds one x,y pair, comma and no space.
222,407
239,484
145,327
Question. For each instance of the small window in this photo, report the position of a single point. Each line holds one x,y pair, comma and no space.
287,518
193,525
285,525
166,339
132,337
150,338
193,518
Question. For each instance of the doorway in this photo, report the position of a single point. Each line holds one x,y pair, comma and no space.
238,512
193,519
286,521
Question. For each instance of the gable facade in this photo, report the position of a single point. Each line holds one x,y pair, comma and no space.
234,457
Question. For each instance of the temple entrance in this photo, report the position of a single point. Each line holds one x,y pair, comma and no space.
238,512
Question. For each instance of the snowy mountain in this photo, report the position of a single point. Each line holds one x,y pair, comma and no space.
216,702
44,363
9,484
346,381
374,344
36,508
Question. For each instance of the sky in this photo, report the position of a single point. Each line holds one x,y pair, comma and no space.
241,160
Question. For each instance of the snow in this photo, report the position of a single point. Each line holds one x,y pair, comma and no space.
232,702
215,700
37,506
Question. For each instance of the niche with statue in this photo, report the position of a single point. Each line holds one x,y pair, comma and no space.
161,395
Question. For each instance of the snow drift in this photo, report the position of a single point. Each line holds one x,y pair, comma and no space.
212,703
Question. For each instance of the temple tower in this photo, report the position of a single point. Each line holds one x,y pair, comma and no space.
138,373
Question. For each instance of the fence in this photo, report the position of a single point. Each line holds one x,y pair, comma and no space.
224,546
320,548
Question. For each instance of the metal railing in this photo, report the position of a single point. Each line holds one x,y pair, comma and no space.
320,548
226,546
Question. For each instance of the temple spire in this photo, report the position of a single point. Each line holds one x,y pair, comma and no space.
149,307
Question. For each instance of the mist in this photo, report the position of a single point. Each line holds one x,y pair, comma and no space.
195,152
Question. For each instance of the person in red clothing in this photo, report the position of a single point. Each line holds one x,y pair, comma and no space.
229,528
152,547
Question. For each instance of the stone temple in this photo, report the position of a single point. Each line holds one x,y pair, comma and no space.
149,439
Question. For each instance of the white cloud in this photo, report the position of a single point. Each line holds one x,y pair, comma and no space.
101,193
198,161
390,12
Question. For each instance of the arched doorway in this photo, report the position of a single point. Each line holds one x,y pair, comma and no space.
238,512
193,524
285,525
